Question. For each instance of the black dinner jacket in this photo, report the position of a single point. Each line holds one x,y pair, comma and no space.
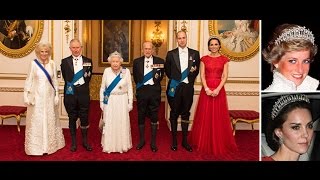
138,70
173,67
67,70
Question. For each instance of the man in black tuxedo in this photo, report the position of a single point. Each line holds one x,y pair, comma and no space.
182,68
77,71
148,72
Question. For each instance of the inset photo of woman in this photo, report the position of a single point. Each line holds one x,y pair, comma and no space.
289,126
289,48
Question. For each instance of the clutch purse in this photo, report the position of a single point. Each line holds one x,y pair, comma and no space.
101,123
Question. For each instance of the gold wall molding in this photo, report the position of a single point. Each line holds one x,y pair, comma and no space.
67,29
20,89
11,89
236,93
243,81
13,78
52,39
242,93
236,82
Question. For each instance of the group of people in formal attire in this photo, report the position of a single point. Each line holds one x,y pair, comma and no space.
211,131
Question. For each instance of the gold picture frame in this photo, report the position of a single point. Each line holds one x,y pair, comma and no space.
116,36
239,38
29,33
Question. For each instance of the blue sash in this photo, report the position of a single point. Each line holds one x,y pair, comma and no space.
108,89
45,72
146,78
174,83
70,86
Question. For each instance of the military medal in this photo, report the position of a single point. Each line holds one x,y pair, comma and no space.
85,74
193,69
69,90
156,75
123,71
89,74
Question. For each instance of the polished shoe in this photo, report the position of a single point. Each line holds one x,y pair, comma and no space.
187,147
73,148
87,147
140,146
174,148
154,148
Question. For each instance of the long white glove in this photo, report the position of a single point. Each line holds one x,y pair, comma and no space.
56,100
130,107
25,98
101,105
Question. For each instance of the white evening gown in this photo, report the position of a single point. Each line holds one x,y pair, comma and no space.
43,133
116,133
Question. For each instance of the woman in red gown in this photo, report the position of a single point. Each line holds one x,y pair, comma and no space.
211,132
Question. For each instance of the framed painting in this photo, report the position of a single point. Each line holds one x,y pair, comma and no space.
18,38
239,38
116,36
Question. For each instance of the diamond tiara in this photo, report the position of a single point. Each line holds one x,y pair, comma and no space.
285,100
296,33
214,36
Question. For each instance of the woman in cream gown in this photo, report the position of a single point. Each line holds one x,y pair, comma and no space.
43,133
116,132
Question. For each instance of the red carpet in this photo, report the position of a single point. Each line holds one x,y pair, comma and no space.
12,144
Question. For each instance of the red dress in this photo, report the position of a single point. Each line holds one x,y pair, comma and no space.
267,158
211,132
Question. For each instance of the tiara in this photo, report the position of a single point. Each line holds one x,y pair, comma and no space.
214,36
285,100
296,33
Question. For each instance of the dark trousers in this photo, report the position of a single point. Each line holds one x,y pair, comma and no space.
181,104
182,101
77,106
148,102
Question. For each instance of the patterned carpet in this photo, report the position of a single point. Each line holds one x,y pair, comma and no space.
12,144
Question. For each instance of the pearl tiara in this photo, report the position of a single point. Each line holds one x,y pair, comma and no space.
296,33
285,100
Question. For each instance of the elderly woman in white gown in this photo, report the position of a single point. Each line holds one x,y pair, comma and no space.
290,52
116,96
43,134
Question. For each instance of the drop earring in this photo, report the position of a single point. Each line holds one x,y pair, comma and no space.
280,141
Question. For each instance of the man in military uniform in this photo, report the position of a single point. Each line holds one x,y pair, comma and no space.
76,71
182,68
148,72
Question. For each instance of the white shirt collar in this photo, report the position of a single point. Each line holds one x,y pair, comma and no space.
184,50
74,58
148,59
